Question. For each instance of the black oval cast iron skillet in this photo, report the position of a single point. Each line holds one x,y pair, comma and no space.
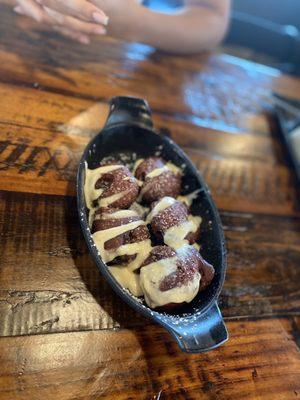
198,326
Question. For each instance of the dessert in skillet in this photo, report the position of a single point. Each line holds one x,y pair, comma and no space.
144,231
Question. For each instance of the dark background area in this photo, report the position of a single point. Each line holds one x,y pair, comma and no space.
280,11
266,31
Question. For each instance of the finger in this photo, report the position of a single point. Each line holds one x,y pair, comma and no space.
33,10
82,38
79,37
18,10
74,24
80,9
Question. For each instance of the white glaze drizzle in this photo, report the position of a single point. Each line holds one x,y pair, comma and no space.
92,217
136,164
175,236
140,249
143,191
118,214
154,173
196,246
173,168
127,279
167,167
133,179
139,209
157,171
91,177
140,183
188,198
162,204
107,201
101,237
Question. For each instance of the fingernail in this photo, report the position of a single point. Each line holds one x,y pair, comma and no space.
99,30
100,18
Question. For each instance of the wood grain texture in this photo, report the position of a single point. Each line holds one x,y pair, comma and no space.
40,151
53,99
261,361
78,118
60,288
198,86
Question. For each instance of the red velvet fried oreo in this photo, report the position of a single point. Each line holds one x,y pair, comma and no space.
170,278
159,179
118,187
106,220
170,213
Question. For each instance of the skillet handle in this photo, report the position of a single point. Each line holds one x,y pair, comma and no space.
129,110
207,332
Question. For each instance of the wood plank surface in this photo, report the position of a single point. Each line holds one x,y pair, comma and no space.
60,288
64,335
198,86
261,361
54,113
40,154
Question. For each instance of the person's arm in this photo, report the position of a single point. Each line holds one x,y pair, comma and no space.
199,26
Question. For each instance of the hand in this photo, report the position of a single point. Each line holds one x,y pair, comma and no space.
125,16
77,19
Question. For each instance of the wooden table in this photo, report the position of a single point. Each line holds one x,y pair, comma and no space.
64,333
